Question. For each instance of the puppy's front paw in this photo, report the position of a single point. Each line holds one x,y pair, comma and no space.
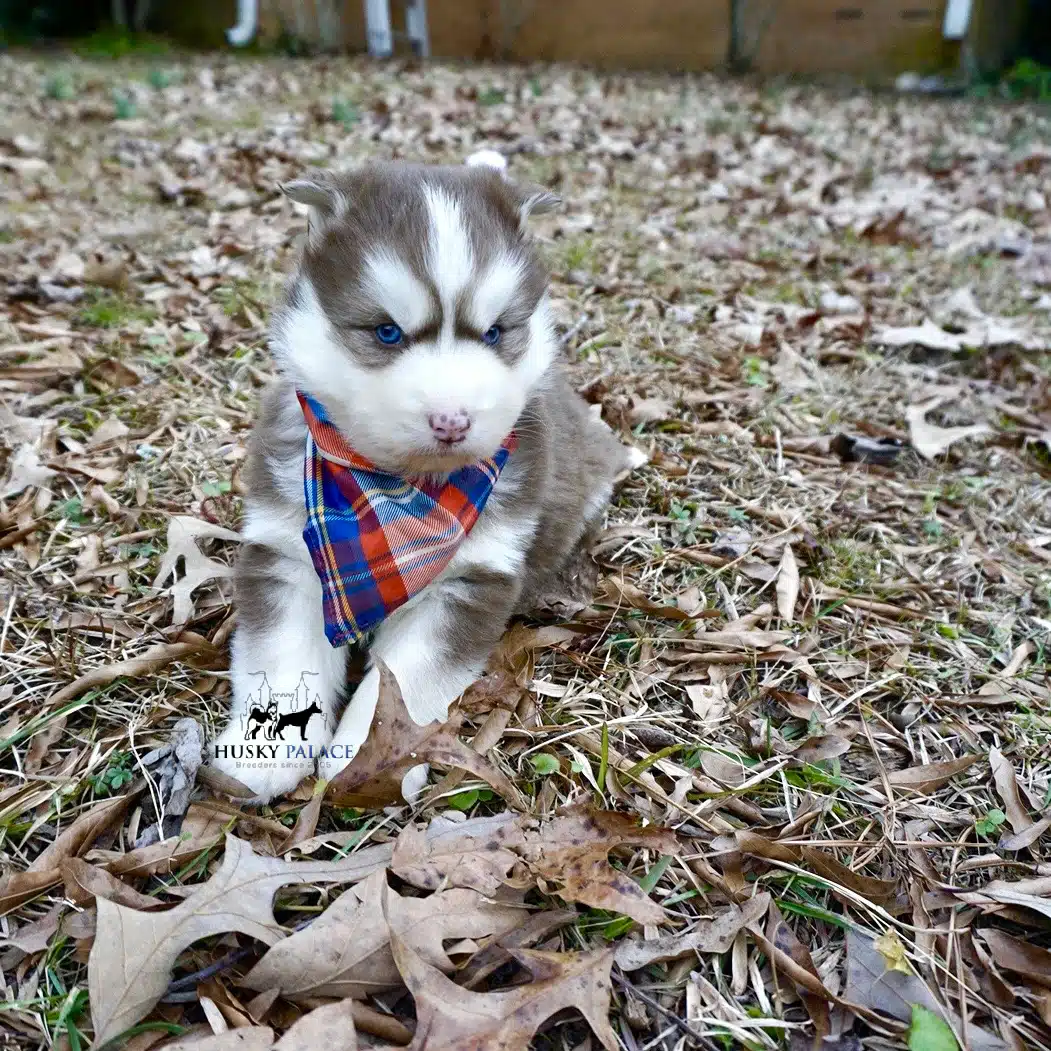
268,768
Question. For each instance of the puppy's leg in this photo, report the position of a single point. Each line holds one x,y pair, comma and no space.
279,647
438,645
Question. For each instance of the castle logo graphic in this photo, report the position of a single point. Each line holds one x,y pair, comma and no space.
276,716
274,728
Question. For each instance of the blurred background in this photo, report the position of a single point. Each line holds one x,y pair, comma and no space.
957,40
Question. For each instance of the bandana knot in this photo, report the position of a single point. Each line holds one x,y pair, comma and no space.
375,539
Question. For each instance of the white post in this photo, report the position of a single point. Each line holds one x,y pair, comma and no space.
416,27
377,28
957,19
247,19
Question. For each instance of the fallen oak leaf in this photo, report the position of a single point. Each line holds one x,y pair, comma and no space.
450,1018
327,1028
346,951
572,851
476,854
497,952
569,851
247,1038
396,744
198,568
931,441
134,952
715,936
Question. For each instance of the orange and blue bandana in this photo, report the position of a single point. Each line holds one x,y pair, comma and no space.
377,540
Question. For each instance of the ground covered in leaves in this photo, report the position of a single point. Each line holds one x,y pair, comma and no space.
787,777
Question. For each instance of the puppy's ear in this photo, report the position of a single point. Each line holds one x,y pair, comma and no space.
319,191
527,198
536,201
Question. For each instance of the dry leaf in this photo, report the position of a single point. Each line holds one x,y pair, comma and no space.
1026,838
134,952
250,1038
716,935
198,568
327,1028
820,863
892,949
744,640
45,871
155,658
650,410
396,744
569,851
86,882
787,585
929,778
1007,789
780,935
931,441
26,471
1019,957
450,1018
346,950
870,984
928,335
614,591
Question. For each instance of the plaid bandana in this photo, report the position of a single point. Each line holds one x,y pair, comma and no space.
376,539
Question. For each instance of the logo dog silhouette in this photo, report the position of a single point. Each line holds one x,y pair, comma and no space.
299,720
261,718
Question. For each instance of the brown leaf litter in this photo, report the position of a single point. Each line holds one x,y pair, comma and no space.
786,776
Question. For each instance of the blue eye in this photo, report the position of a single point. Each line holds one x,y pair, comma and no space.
492,335
389,334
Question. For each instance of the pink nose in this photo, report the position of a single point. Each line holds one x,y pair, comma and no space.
450,427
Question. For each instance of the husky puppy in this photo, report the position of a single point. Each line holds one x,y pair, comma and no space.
421,471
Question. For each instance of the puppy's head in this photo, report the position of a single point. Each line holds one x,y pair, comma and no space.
418,316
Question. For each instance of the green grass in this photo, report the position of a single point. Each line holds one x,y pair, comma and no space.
108,310
119,43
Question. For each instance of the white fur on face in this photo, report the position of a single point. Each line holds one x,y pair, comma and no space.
384,412
494,291
398,291
450,258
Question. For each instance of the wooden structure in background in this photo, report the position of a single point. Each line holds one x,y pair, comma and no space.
868,38
865,37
